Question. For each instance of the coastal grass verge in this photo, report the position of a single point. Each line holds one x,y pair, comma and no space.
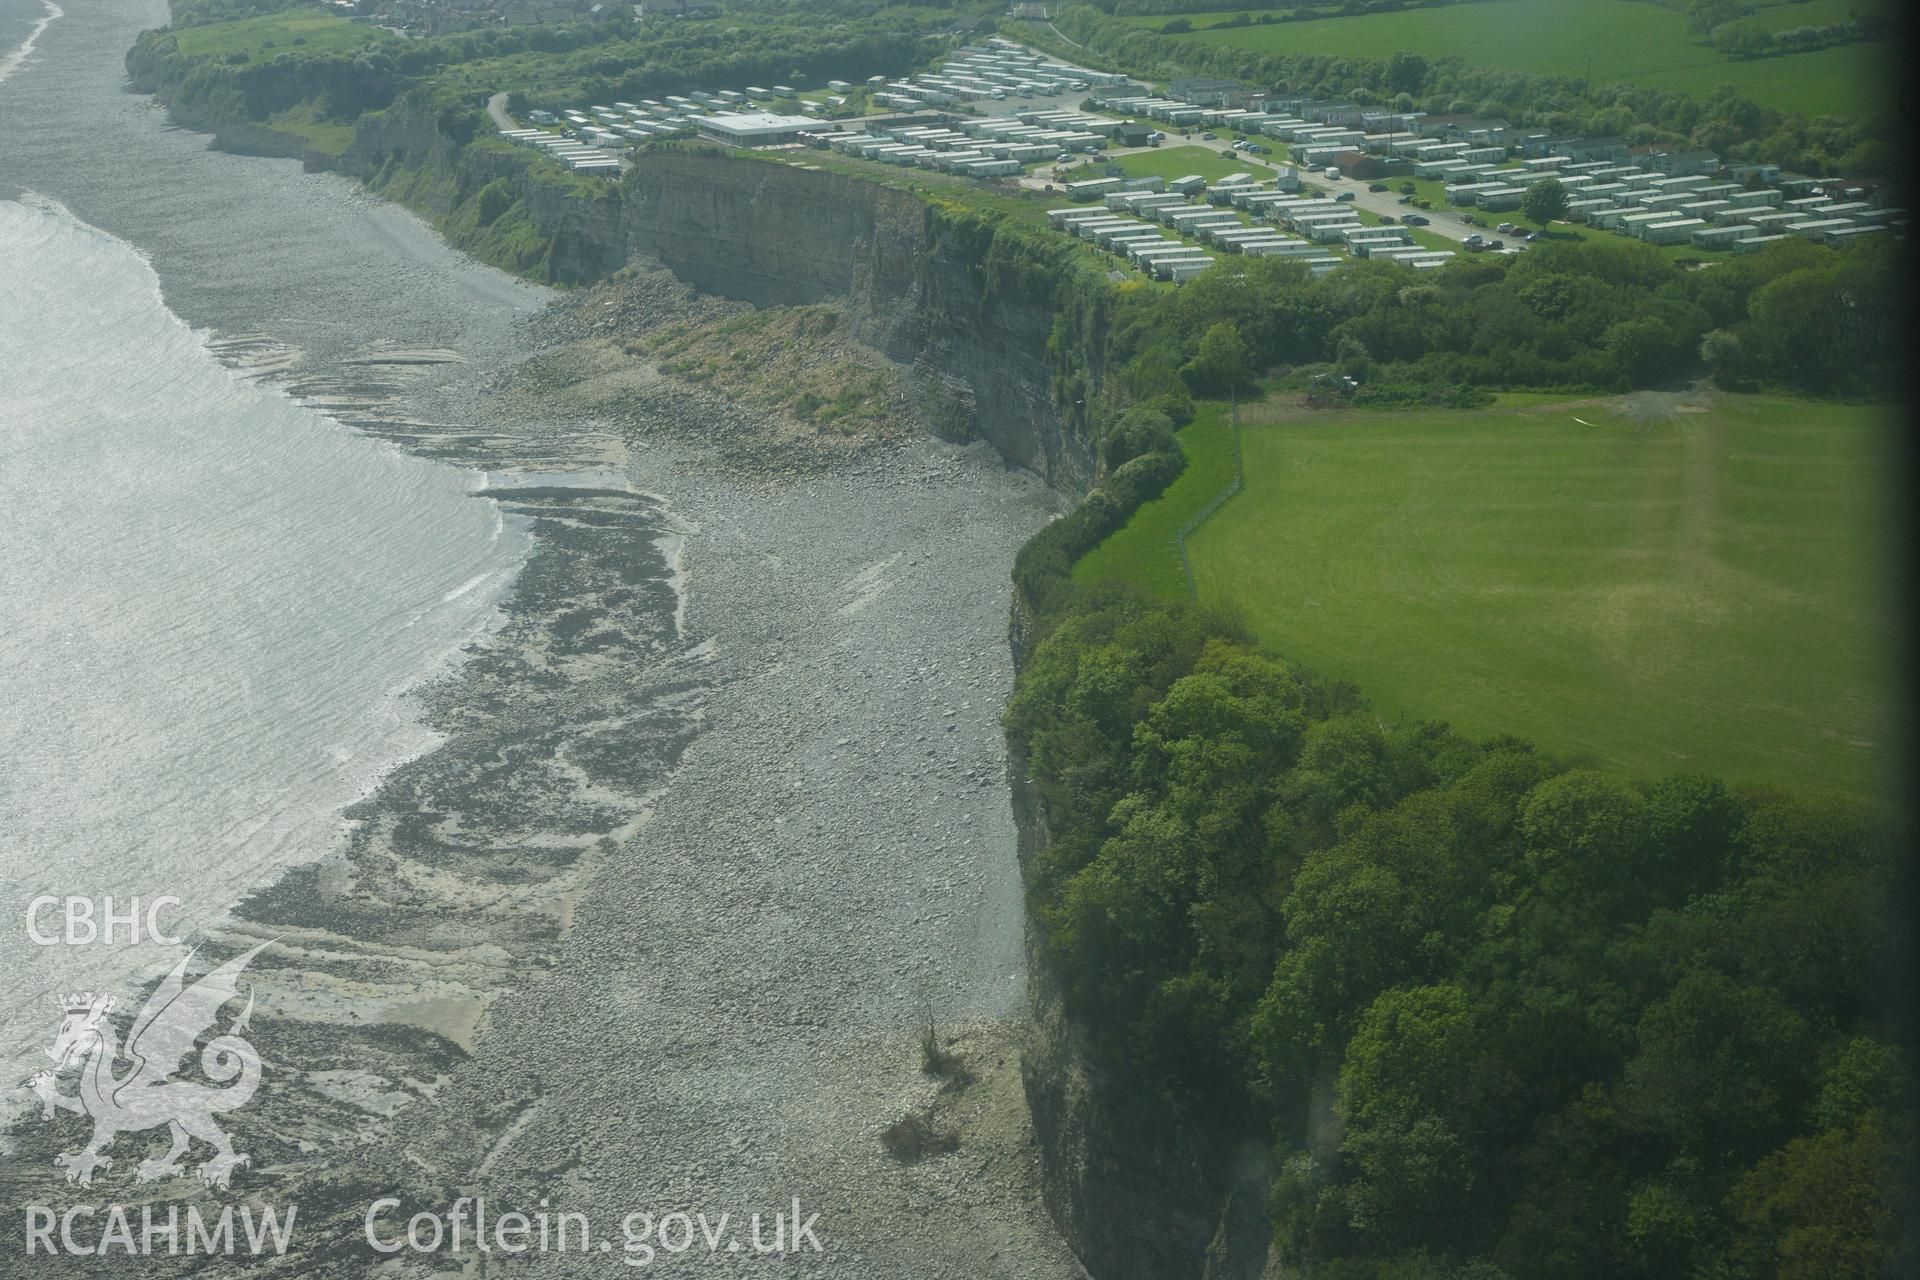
1142,552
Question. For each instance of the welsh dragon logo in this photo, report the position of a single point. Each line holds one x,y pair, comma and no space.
144,1097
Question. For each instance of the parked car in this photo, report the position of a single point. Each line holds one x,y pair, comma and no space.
1376,186
1209,137
1504,227
1404,200
1532,236
1497,244
1344,195
1416,220
1473,241
1256,149
1386,219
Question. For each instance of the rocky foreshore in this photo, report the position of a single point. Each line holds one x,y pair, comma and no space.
715,819
716,823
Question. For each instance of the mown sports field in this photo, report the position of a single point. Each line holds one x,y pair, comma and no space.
1658,583
1210,162
1612,41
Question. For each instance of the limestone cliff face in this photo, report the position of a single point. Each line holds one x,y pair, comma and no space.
780,235
403,134
1136,1195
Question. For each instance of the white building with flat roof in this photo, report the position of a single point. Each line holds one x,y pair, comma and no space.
754,128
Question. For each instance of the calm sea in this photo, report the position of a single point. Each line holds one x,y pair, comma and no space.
213,600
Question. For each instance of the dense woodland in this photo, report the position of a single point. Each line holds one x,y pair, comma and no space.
1601,315
1573,1025
1487,1014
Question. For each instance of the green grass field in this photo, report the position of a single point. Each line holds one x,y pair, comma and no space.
289,31
1177,162
1612,41
1142,552
1674,591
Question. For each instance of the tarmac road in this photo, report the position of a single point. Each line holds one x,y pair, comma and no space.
497,108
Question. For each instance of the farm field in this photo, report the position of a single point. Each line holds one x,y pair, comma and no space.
289,31
1613,41
1657,591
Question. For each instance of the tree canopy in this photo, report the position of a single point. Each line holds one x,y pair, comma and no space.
1576,1025
1545,201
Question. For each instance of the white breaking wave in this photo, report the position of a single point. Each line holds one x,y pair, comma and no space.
18,58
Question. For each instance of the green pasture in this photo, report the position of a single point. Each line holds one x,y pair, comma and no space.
1656,583
1608,41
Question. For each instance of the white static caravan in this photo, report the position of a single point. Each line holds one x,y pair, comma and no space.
1331,232
1179,271
1064,219
1091,188
1764,196
1776,220
1104,236
1281,247
1092,230
1631,223
1722,237
1674,231
1847,235
1230,238
1817,229
1147,254
1277,247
